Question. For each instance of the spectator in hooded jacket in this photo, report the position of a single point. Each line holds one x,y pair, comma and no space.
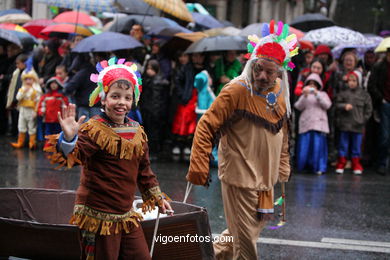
354,108
312,147
51,104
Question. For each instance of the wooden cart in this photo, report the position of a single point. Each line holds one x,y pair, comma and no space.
33,224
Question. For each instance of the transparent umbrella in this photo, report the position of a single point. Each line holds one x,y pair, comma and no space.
335,35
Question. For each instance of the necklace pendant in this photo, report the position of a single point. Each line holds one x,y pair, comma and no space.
271,99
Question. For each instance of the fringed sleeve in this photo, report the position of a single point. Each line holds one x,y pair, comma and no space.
206,131
57,157
84,149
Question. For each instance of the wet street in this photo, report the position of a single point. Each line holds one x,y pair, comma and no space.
328,217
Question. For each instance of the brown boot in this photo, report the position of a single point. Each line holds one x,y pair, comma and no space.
32,143
20,142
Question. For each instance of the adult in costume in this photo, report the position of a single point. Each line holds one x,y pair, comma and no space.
114,154
249,117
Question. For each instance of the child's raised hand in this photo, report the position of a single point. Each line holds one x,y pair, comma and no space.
67,120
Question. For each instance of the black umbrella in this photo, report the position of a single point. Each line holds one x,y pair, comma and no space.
207,21
9,36
309,22
218,43
136,7
124,24
167,30
106,42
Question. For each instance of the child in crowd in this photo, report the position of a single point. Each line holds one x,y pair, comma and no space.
313,126
28,96
206,97
62,73
50,104
154,106
354,108
113,151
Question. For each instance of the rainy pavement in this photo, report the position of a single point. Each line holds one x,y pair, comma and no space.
328,217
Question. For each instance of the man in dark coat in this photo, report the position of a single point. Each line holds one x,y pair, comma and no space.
379,89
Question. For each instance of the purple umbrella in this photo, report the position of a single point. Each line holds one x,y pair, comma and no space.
106,42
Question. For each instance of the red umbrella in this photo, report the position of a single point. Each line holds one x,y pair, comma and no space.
74,17
36,26
64,29
12,27
297,32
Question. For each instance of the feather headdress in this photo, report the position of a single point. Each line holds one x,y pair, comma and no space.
111,71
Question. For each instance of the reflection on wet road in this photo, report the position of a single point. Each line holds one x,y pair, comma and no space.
328,217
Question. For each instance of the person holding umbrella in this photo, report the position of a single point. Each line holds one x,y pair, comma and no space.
250,118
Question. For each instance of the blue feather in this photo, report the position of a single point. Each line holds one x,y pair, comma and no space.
265,30
99,67
29,64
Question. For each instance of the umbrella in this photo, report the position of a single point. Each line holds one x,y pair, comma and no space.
309,22
334,36
180,42
87,5
123,24
12,27
106,42
136,7
206,20
28,41
14,16
218,43
383,45
62,30
176,8
232,31
8,36
167,30
74,17
255,28
371,43
34,27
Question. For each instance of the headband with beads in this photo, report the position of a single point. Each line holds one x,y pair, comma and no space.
111,71
277,45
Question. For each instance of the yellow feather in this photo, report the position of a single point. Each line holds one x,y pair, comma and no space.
290,37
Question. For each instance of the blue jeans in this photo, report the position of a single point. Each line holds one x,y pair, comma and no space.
312,151
384,135
88,112
350,139
52,128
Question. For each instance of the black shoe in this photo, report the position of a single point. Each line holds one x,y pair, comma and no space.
381,170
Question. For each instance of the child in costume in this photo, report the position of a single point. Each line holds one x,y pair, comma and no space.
313,126
206,97
354,108
28,96
114,153
50,104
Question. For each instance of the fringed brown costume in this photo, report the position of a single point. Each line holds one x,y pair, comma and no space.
115,161
253,155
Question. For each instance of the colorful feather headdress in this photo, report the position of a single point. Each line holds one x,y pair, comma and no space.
29,71
277,45
111,71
